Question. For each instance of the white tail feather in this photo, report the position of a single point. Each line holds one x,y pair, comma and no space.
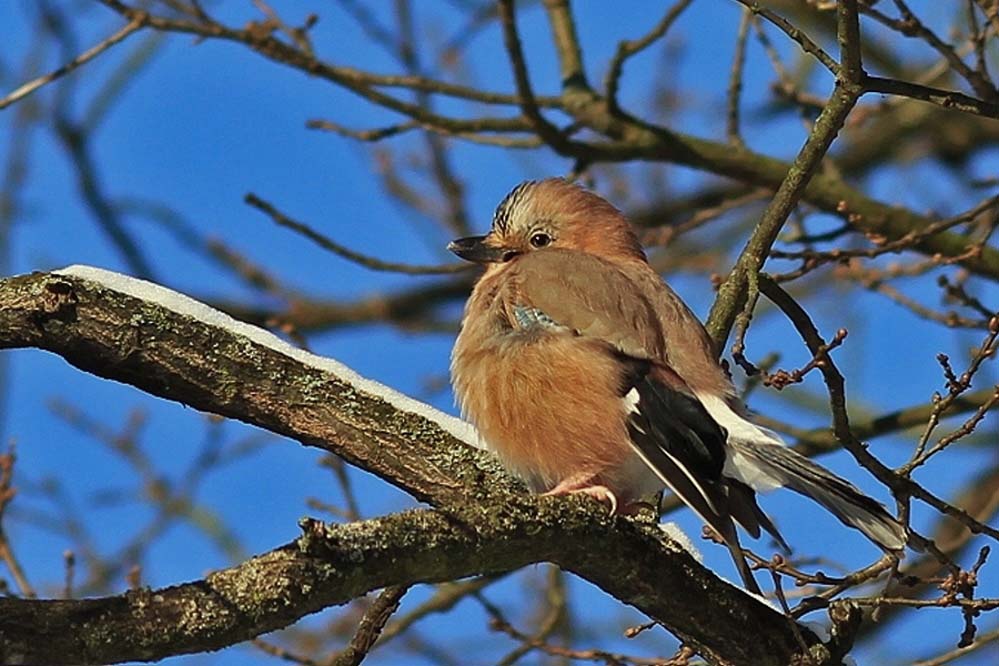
737,465
759,458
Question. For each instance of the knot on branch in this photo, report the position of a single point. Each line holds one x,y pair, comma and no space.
58,301
846,617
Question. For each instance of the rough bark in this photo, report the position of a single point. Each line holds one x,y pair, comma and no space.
482,521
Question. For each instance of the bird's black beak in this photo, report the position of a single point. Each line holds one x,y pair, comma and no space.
475,248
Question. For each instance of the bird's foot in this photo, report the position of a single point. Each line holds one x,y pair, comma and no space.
603,494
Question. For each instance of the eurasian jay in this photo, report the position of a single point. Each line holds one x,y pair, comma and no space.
585,373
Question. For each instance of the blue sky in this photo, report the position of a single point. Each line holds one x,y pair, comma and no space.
205,123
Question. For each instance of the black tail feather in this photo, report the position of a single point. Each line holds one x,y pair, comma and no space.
680,442
744,508
735,549
840,497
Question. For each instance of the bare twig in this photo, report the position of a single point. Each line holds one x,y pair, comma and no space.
370,627
134,25
987,639
948,99
628,49
455,215
735,81
956,386
794,33
283,653
334,247
779,592
910,26
528,103
7,492
447,596
900,486
500,623
882,245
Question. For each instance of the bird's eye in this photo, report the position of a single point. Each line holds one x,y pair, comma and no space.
540,239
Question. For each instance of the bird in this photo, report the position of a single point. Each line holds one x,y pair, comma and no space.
584,372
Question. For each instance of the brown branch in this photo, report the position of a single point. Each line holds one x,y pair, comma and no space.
898,244
76,140
918,578
351,255
909,25
667,233
955,387
168,359
364,84
7,556
794,33
536,641
214,250
489,526
528,105
267,592
815,441
282,653
902,487
632,139
367,135
734,93
333,564
454,215
134,25
552,615
408,309
979,38
948,99
987,639
627,49
786,87
782,600
734,291
447,596
877,281
371,626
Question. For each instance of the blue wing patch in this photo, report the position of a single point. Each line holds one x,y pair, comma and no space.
531,318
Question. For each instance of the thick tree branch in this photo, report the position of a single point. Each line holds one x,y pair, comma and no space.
181,350
333,564
142,343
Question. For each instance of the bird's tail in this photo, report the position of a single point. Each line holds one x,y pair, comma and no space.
770,464
760,459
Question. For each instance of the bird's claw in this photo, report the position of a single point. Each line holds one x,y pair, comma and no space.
602,494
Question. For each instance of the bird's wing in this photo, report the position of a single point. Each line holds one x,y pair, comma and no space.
670,429
679,441
583,293
688,347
